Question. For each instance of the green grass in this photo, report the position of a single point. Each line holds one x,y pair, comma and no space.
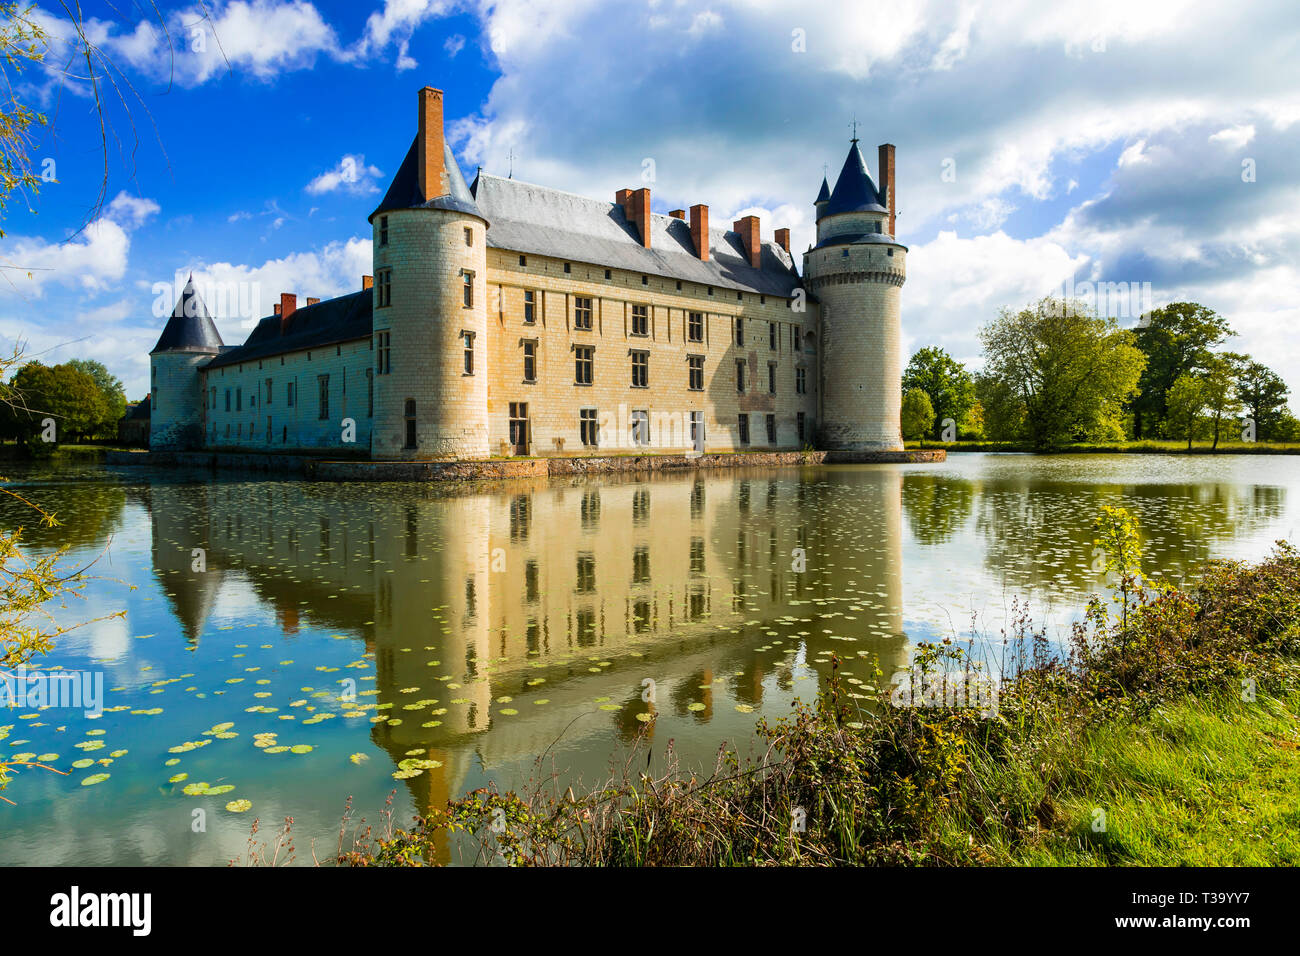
1201,783
1145,447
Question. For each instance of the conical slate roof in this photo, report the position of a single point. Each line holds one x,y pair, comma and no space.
190,327
824,195
855,190
405,192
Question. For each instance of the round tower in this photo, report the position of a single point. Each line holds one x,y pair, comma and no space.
430,305
856,271
188,342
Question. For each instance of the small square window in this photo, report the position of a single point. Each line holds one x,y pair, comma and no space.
469,236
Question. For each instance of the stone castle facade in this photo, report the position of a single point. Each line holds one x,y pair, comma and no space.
507,319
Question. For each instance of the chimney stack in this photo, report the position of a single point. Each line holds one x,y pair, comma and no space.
700,230
367,282
311,301
678,214
886,156
783,239
748,229
276,307
429,152
636,207
288,303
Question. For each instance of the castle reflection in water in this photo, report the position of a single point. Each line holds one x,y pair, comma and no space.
591,588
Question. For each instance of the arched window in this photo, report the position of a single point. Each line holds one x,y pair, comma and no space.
410,422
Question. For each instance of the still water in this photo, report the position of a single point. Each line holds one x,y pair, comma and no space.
506,633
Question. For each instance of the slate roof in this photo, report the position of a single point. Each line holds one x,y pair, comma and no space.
405,193
345,319
548,222
855,190
190,328
823,194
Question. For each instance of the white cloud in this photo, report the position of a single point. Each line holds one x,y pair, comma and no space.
394,25
352,175
1234,137
454,44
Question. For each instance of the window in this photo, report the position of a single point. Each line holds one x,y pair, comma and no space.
581,312
467,339
800,381
290,393
268,429
645,280
587,427
523,261
641,565
567,268
383,353
771,429
239,398
740,331
744,429
740,376
519,427
323,396
695,327
530,306
794,338
695,373
213,404
799,425
697,430
640,320
383,288
640,428
227,400
469,236
640,369
469,288
370,393
771,336
584,358
408,412
383,230
771,378
530,361
268,393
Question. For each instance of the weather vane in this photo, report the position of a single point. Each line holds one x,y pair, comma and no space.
854,125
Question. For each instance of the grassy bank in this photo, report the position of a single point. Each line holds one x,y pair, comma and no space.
1152,447
1168,733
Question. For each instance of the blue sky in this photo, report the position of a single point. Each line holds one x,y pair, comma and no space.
1038,145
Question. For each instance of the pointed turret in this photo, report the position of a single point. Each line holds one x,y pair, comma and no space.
823,197
855,190
190,327
188,342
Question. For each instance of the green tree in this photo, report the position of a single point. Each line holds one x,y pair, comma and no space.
1121,546
22,42
1175,339
1069,370
946,381
1220,394
1185,407
917,414
1263,394
1002,411
112,397
63,393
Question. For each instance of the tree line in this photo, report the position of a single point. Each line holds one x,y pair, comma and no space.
82,398
1055,373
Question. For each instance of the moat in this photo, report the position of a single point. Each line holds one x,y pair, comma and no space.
334,630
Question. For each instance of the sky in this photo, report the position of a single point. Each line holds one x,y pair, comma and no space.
1130,154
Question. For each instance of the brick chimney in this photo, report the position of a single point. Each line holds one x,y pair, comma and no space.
678,214
429,152
311,301
276,308
288,304
700,230
886,156
367,282
783,239
748,229
636,207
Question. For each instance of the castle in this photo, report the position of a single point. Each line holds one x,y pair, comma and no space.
509,319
